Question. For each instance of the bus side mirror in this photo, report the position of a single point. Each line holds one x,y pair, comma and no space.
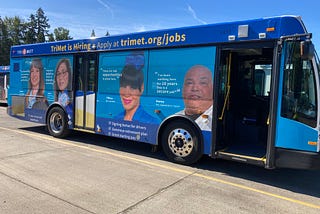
306,50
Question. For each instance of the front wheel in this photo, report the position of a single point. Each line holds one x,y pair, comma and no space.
57,123
181,142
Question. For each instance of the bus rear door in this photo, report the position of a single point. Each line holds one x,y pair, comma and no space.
85,90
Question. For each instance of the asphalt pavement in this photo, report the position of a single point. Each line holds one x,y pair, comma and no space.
88,173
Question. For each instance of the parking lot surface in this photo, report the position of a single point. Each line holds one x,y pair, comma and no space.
87,173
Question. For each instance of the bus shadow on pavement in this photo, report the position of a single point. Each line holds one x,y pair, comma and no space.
295,180
132,147
299,181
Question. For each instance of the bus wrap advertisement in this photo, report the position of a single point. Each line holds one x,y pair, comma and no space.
147,87
136,90
43,80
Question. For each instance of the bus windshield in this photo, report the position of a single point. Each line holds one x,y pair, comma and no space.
299,91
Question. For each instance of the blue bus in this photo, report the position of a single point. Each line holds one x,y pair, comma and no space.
245,91
4,83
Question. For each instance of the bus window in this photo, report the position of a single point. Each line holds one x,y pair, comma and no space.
299,90
92,75
262,80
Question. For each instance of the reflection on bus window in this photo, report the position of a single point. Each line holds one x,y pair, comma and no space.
299,95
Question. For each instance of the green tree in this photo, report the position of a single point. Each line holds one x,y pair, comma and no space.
16,30
30,30
61,33
93,34
4,44
51,37
42,25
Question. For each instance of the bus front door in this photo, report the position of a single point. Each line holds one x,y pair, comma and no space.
85,90
242,96
297,129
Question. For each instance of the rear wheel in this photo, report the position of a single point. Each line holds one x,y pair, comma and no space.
57,123
181,142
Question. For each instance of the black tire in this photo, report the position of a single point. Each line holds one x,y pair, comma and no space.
181,142
57,122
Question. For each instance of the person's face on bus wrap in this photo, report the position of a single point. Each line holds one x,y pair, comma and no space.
62,76
35,77
197,90
130,97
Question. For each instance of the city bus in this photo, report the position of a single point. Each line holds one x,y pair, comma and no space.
4,83
245,91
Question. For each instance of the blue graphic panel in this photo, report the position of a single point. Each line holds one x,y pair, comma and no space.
168,68
131,130
137,90
178,37
38,86
112,64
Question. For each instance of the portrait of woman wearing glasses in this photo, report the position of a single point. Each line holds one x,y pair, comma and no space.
62,84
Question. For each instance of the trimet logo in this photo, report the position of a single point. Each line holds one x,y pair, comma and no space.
24,51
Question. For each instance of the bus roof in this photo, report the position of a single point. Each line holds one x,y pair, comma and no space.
4,69
256,29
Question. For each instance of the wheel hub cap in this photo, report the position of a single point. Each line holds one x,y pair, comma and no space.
180,142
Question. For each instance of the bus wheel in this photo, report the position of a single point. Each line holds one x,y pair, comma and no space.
57,122
181,142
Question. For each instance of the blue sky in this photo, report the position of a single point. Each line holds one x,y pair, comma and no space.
126,16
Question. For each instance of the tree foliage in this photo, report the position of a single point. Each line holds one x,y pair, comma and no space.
16,31
4,40
30,33
61,33
93,34
15,27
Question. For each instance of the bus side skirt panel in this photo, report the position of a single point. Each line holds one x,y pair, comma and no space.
297,159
